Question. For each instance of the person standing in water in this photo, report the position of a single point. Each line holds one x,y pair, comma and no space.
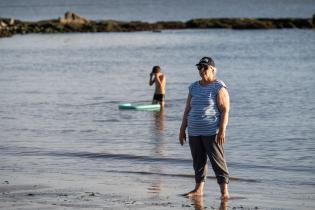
157,77
206,116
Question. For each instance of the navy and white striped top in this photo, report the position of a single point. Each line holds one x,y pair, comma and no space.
204,115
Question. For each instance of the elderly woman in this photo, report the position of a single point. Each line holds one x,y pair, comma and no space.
206,116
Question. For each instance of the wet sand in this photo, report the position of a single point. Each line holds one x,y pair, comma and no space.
121,191
19,197
56,191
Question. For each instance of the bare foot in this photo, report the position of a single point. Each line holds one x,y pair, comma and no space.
194,193
224,192
198,191
225,197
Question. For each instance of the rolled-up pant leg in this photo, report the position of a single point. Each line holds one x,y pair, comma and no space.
199,156
216,155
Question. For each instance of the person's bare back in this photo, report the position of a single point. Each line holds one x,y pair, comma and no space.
160,83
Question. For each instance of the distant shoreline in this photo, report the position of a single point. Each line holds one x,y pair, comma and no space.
72,22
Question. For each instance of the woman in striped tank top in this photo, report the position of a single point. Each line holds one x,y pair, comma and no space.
206,116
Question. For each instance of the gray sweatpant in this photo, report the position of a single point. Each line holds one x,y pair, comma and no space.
201,147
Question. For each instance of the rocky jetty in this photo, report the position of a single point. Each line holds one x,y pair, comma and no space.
72,22
72,18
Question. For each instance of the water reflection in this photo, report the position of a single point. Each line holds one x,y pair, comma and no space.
198,203
159,120
158,132
224,205
158,142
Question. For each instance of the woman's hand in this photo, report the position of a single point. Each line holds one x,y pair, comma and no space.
220,138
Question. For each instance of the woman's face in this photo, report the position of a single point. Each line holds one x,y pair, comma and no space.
205,71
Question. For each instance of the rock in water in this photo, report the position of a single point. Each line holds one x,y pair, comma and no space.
72,18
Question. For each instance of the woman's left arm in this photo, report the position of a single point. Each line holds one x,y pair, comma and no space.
223,102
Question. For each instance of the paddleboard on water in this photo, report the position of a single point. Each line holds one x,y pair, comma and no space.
140,107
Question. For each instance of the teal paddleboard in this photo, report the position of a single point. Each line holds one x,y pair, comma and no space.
126,106
140,107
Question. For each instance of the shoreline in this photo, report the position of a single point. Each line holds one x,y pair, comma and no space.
72,23
99,192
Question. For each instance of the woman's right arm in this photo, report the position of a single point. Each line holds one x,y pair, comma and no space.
182,132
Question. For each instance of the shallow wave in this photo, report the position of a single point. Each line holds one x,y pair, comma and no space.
29,151
177,175
172,162
88,104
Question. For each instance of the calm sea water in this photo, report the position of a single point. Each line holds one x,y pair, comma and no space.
60,94
156,10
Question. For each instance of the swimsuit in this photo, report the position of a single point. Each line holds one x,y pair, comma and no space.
158,97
